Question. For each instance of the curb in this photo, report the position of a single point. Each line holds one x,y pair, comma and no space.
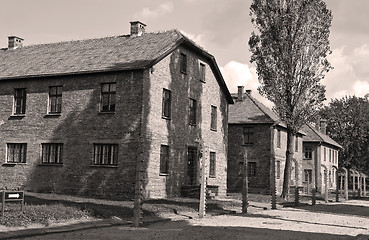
61,229
73,227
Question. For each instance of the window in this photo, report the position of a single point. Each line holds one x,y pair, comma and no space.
55,99
166,112
248,135
330,155
105,154
308,152
212,166
278,138
213,124
296,143
164,159
251,169
278,170
16,152
192,109
308,175
325,154
183,62
20,101
52,153
202,72
108,91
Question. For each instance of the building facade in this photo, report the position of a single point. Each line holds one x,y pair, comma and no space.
76,117
320,158
257,130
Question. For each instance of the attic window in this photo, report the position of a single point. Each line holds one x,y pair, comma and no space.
202,72
183,62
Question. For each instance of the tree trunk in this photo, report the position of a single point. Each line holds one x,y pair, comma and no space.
287,168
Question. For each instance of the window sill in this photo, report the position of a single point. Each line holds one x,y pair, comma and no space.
51,164
307,159
212,177
52,115
166,118
17,116
13,164
106,113
192,125
203,81
104,166
163,174
184,72
212,129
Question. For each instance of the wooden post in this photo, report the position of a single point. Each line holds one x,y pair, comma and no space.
364,185
341,184
245,183
313,197
3,204
139,187
297,193
326,185
353,183
202,205
272,170
337,186
346,183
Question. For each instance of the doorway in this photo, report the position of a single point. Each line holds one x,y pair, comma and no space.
192,166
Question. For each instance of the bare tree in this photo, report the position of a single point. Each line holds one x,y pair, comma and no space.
290,52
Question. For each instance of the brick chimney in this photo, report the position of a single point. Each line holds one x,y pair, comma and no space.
137,28
323,126
15,42
240,93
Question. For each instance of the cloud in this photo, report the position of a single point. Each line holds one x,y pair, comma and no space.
350,75
239,74
162,9
199,39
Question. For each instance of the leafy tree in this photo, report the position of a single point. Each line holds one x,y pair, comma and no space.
290,52
348,124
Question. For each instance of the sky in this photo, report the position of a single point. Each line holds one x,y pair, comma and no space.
221,27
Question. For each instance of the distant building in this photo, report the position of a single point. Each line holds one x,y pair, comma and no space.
258,129
76,117
320,158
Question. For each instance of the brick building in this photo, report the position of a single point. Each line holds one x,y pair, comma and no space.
254,127
320,158
77,116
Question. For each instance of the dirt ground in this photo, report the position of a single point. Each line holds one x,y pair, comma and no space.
343,220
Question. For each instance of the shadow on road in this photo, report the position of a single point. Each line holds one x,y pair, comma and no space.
341,209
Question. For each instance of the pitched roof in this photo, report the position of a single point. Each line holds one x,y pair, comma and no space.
250,110
313,135
98,55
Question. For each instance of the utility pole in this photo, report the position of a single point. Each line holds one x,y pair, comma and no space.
245,187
